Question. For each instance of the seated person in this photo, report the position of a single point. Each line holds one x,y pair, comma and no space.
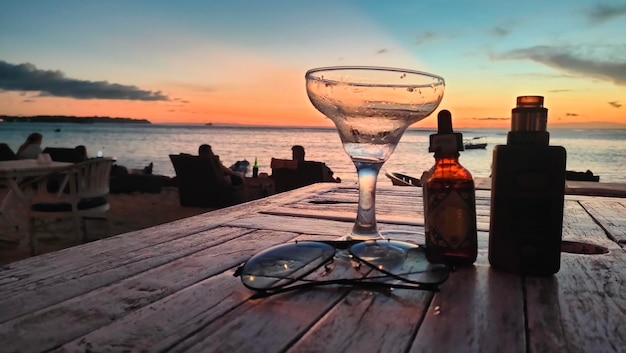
297,154
31,148
297,172
230,176
81,153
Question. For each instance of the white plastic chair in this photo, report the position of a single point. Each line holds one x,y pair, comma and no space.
78,191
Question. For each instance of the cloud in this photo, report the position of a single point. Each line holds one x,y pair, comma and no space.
500,31
491,119
615,104
381,51
26,77
560,90
603,12
571,114
566,59
429,37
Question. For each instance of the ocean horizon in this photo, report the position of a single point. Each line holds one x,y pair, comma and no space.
603,151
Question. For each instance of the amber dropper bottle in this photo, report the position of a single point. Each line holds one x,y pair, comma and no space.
449,200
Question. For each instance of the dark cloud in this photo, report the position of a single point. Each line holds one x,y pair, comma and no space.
615,104
26,77
571,114
560,90
565,59
424,37
500,31
429,37
381,51
604,12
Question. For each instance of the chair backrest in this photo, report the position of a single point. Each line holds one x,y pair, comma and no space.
92,177
286,177
63,154
6,153
277,163
200,181
312,172
78,187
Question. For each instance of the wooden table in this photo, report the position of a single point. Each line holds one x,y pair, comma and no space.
13,172
171,288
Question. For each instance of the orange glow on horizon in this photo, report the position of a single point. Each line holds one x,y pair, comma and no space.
288,105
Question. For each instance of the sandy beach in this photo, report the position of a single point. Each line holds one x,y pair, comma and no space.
128,212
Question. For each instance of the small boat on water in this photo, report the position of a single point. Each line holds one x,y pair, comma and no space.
475,143
581,176
403,179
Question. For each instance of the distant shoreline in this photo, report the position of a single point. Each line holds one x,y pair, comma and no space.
592,125
70,119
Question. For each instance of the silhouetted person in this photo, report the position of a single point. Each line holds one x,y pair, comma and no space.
230,176
81,152
31,148
297,154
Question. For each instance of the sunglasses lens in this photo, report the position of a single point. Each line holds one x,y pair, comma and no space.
281,265
403,260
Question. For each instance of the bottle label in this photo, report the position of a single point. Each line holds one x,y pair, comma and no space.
451,218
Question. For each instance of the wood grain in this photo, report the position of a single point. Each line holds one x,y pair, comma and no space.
171,287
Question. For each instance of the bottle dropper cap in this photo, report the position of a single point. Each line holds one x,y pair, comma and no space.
445,140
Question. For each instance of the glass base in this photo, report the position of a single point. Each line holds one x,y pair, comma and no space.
411,236
351,236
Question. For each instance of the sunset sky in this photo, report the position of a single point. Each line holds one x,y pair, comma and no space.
244,61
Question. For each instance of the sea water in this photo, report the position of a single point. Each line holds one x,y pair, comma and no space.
137,145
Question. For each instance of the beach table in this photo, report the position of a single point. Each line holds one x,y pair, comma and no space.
12,173
171,288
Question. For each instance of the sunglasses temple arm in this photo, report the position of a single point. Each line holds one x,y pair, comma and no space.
351,282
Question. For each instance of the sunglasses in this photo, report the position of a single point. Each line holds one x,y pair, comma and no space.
392,264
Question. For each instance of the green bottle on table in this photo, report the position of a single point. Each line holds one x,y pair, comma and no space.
255,168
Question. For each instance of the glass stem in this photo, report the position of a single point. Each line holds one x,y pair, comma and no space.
365,224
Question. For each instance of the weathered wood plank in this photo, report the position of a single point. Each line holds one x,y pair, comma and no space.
20,297
611,215
267,324
580,227
293,224
477,310
294,314
580,309
161,324
106,305
416,219
366,321
393,206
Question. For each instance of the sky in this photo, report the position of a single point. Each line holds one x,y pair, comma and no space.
243,62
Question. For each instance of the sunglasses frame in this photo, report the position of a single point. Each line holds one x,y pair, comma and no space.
363,282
